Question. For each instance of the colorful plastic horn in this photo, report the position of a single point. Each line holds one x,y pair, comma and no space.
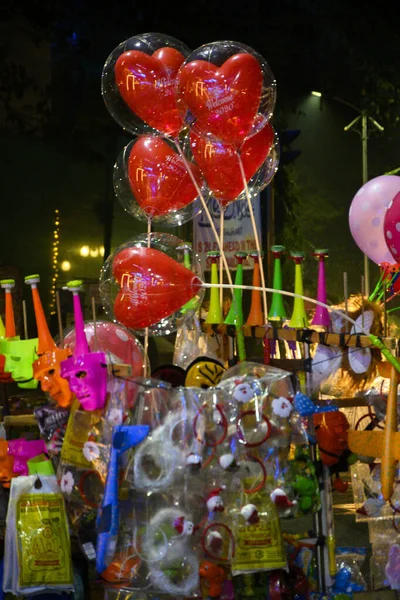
299,318
256,316
8,285
214,316
124,437
46,368
277,311
186,248
235,314
321,316
85,371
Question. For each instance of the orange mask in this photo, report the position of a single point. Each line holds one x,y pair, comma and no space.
46,369
331,433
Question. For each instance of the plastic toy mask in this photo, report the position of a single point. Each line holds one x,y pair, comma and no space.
331,433
87,377
20,356
46,369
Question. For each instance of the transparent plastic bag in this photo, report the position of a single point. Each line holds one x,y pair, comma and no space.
38,557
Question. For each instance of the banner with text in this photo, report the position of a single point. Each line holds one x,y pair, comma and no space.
238,231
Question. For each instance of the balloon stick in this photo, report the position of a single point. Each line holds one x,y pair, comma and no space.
210,220
385,312
25,319
321,316
277,311
346,294
255,231
256,316
362,296
221,241
94,323
146,331
214,315
59,319
299,318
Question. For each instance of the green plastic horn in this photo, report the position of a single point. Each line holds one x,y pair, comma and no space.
299,318
214,316
192,304
235,314
277,311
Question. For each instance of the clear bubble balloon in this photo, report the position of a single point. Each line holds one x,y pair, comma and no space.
138,84
220,164
227,91
152,282
152,182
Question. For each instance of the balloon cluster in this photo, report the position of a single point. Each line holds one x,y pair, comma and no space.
202,121
374,219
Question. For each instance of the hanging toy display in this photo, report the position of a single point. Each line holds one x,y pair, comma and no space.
179,484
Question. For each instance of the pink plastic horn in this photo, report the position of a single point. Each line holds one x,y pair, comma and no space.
81,343
321,316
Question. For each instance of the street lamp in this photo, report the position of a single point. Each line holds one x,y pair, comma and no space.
364,119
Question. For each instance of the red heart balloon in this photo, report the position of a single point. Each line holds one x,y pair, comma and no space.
147,85
152,286
224,100
220,162
158,177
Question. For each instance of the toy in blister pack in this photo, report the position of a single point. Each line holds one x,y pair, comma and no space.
258,538
37,538
392,568
52,423
304,483
348,577
367,493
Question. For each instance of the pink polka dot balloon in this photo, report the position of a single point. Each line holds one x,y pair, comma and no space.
391,227
367,214
119,344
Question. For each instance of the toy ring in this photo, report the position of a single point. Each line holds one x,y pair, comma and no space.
89,474
242,439
260,485
224,425
207,550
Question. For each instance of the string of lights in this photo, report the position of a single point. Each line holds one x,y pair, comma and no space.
56,243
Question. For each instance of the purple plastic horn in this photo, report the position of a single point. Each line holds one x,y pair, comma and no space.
321,316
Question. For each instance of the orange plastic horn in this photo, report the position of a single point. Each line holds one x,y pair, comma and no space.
8,285
256,316
45,340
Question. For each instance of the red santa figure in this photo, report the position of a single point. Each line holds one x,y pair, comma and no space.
250,513
214,501
183,527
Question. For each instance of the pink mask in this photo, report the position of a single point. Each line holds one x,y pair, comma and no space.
85,371
23,450
87,378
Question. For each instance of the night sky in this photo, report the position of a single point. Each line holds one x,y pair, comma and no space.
58,143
